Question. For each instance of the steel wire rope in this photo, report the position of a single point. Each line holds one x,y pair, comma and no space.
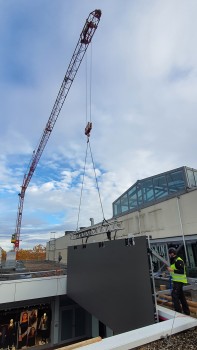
86,118
88,140
84,169
168,342
90,104
96,180
169,339
168,336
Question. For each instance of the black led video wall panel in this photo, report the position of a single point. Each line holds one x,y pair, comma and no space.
112,282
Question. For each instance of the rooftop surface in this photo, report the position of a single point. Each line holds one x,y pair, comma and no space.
32,269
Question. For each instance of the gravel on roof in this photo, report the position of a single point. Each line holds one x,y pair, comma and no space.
181,341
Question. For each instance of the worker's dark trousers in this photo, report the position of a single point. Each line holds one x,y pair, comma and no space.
178,298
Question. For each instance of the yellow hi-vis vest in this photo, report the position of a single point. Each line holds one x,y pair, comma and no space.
177,277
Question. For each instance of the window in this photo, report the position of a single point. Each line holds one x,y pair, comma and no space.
73,323
155,188
66,324
80,322
132,196
195,176
139,194
191,179
162,250
148,192
124,203
160,187
176,181
117,207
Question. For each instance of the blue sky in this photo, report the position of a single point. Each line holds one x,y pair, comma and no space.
144,106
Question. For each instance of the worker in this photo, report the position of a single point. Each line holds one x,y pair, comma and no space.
60,257
178,274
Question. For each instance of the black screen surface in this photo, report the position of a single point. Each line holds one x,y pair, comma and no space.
111,280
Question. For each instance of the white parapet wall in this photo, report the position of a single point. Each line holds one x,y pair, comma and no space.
130,340
32,288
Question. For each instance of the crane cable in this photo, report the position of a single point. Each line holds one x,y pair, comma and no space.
97,185
82,185
87,133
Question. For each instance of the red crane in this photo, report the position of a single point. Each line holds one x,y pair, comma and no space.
77,57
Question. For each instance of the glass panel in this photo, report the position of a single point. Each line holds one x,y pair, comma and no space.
80,322
194,249
195,175
191,255
132,195
117,207
175,181
66,324
162,250
160,186
148,192
191,180
139,194
124,203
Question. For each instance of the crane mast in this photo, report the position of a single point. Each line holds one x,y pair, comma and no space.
84,40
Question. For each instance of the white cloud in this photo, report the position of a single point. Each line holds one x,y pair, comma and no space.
143,106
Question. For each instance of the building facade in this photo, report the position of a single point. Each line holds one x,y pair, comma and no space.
162,206
37,312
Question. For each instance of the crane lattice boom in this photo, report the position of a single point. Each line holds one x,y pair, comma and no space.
77,57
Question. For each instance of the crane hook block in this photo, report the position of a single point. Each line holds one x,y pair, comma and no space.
88,129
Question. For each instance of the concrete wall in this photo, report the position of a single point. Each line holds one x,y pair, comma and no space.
170,218
165,219
56,246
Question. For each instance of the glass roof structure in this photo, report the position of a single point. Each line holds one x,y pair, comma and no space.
155,189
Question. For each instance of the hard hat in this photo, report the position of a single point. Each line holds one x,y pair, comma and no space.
172,250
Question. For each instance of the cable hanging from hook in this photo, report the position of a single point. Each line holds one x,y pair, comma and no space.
97,185
84,169
88,129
